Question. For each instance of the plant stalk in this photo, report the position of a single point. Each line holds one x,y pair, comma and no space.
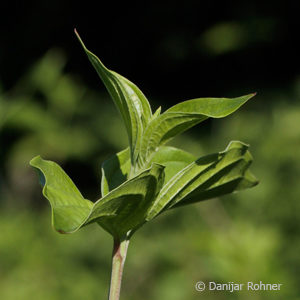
118,260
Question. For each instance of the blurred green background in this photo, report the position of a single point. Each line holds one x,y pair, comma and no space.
51,103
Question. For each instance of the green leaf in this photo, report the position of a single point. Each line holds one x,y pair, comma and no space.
130,101
125,208
210,176
115,171
173,159
122,210
181,117
69,208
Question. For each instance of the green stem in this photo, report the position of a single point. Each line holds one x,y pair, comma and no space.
118,260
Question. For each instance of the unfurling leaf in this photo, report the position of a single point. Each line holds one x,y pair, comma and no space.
129,99
69,208
209,176
125,208
119,211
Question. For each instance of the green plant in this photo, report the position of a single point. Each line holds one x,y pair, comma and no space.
148,178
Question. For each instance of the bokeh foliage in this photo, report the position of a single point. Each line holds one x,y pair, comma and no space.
250,236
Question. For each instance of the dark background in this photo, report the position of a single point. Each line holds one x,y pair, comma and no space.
159,45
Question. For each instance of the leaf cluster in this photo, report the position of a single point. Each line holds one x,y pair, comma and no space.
147,178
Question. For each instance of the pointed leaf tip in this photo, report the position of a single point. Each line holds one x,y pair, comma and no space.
181,117
33,160
128,98
80,40
69,208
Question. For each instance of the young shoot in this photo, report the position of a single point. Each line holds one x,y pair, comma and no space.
147,178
